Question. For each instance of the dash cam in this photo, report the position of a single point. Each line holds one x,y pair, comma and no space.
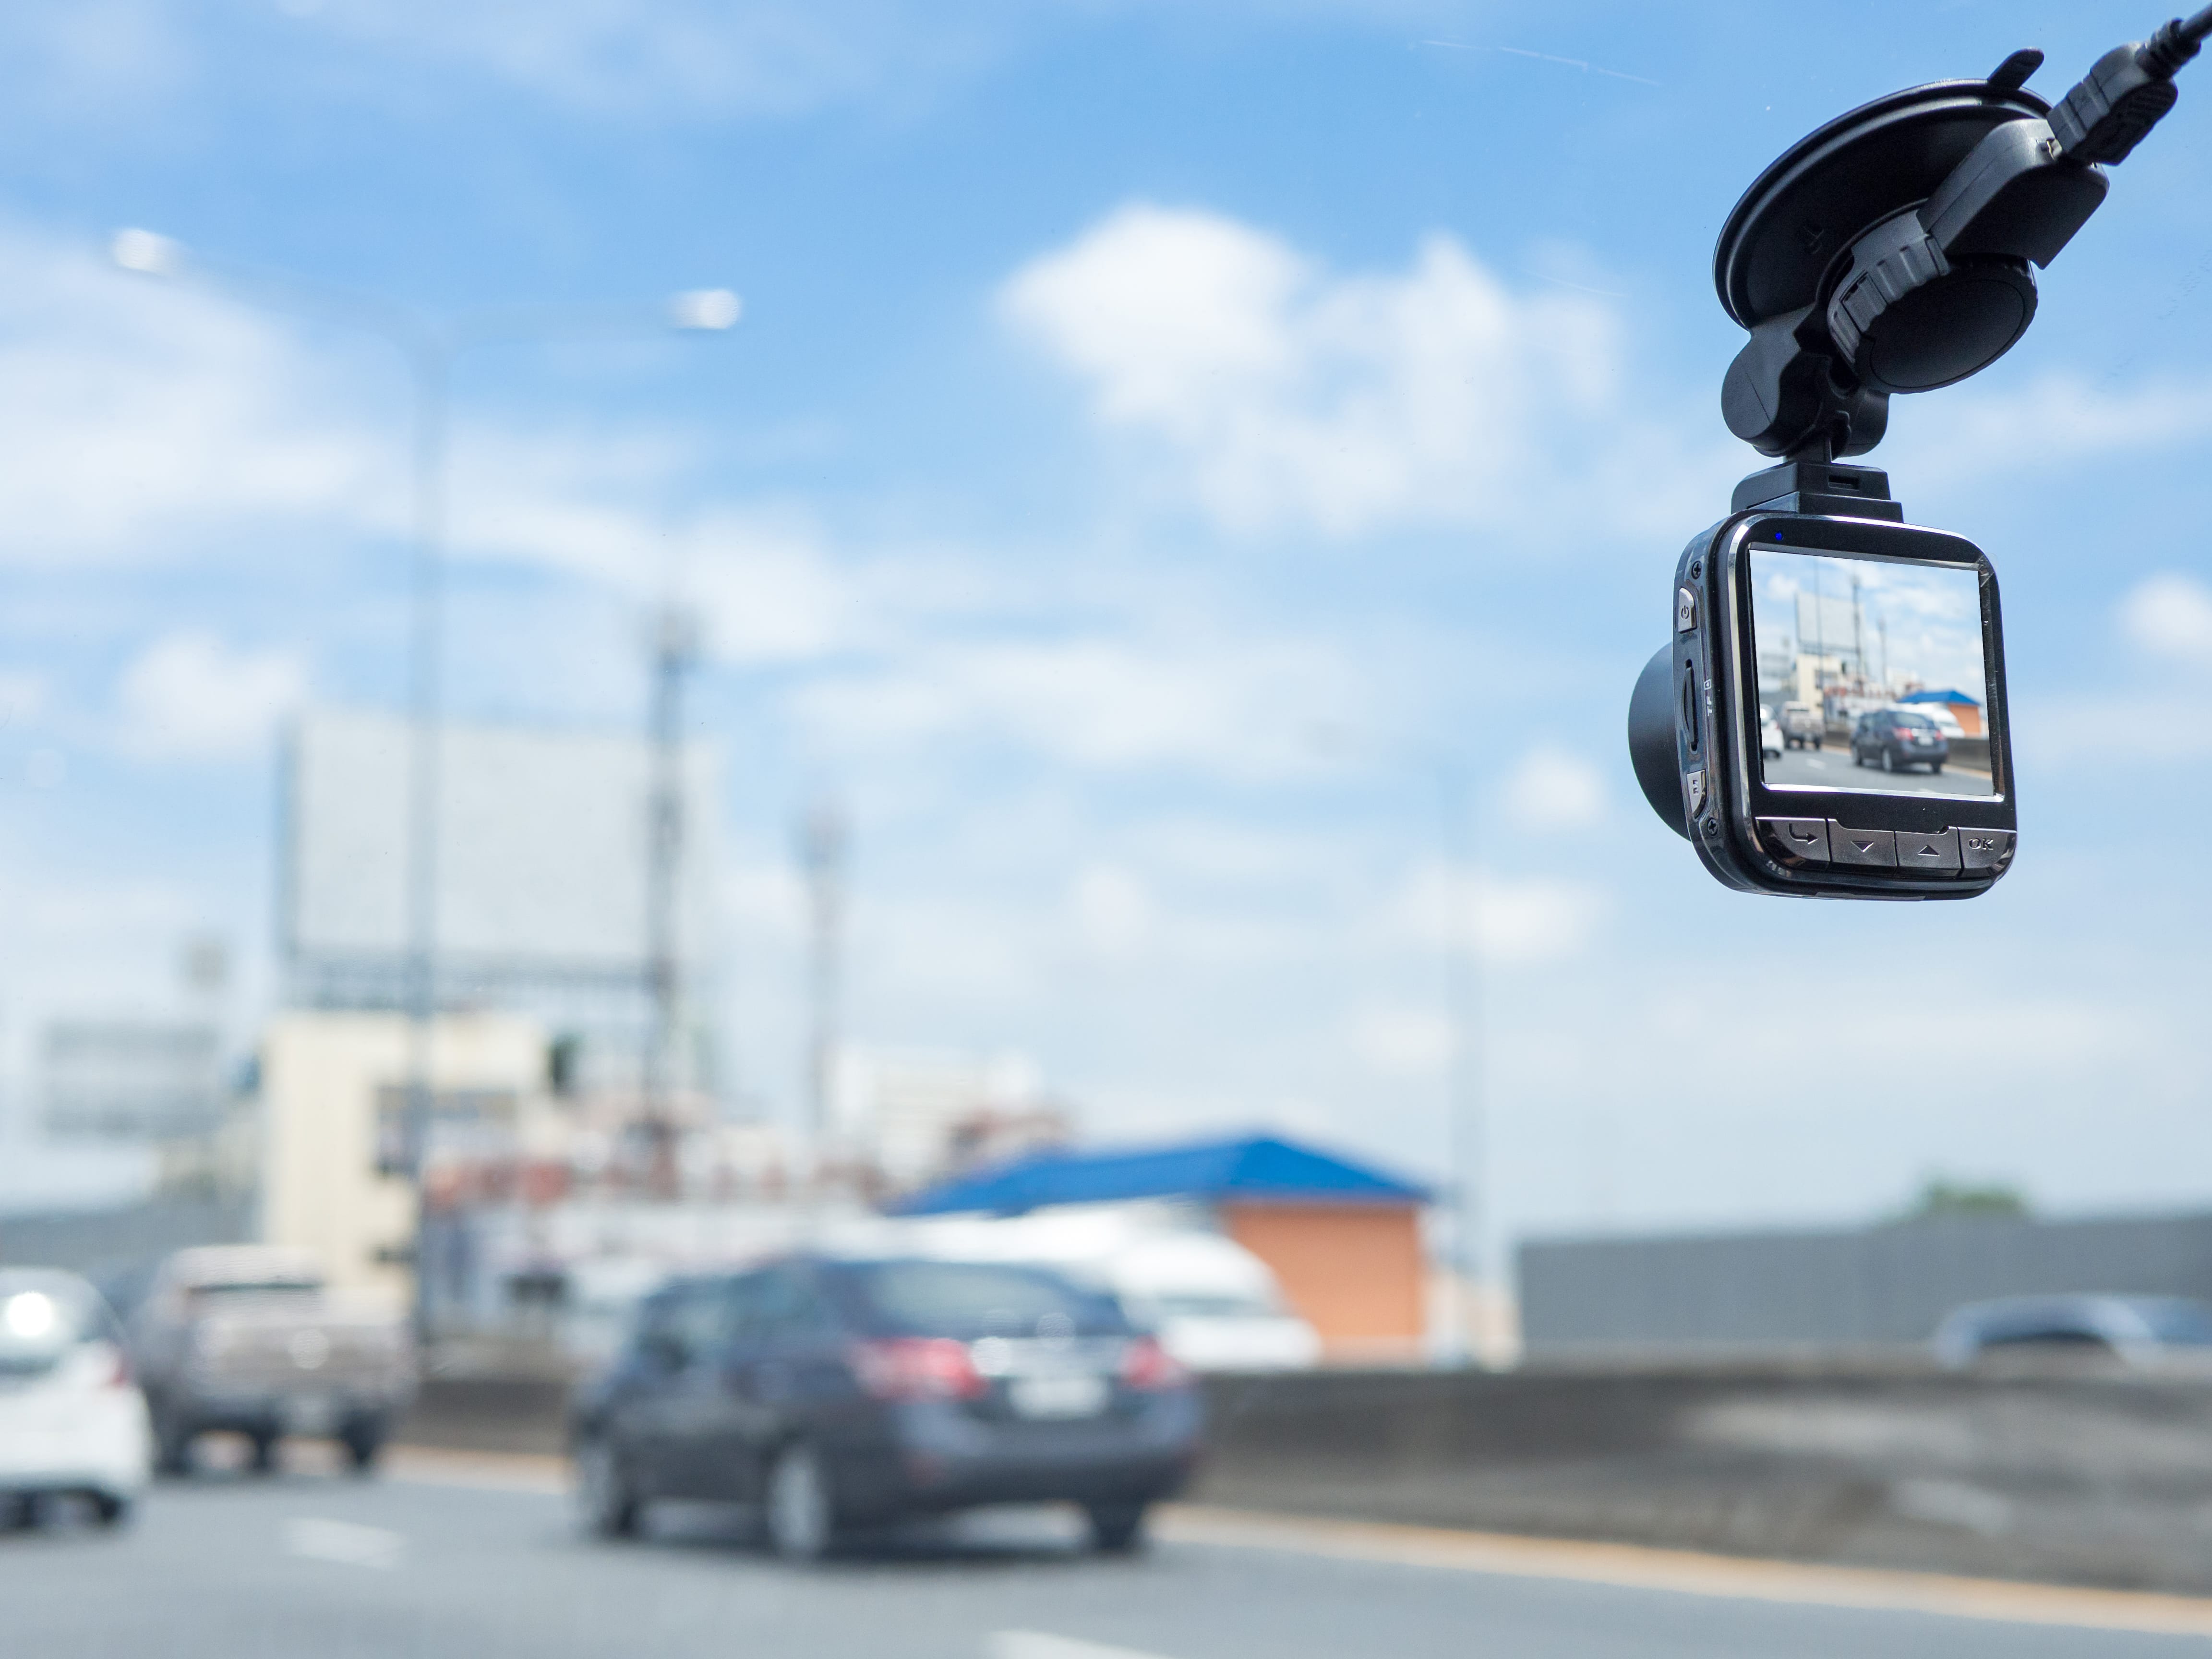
1828,718
1830,714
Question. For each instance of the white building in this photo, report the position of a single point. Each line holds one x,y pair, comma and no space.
333,1086
912,1114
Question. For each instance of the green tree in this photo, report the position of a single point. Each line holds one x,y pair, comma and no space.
1941,1198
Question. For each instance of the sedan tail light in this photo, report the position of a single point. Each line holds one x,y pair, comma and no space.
917,1368
1145,1364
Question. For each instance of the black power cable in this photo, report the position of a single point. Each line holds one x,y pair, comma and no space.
2127,94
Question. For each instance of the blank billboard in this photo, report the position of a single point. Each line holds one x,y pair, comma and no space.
543,847
131,1079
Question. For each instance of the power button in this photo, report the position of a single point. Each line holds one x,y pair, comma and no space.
1686,611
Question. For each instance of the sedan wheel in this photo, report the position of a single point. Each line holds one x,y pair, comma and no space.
801,1509
1116,1528
603,1490
1888,762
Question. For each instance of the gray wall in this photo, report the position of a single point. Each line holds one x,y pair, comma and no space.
106,1244
1875,1284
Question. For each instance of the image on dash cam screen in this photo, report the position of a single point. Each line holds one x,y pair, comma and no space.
1871,675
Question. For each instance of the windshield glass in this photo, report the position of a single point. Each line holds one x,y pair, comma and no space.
815,835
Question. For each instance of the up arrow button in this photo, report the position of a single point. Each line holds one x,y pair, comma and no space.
1937,852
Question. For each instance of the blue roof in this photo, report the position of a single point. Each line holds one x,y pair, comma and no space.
1940,696
1257,1168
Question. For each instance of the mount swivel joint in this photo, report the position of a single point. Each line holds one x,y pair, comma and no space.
1894,250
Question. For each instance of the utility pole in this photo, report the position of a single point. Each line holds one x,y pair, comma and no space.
821,851
675,653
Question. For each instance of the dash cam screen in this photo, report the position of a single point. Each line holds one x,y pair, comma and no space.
1871,675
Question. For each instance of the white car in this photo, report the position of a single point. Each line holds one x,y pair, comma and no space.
1213,1304
1946,721
1770,736
72,1423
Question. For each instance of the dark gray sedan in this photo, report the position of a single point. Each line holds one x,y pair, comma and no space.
838,1394
1897,738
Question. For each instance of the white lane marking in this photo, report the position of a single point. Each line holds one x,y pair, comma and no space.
1042,1644
343,1542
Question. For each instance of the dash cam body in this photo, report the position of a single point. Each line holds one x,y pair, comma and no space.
1830,709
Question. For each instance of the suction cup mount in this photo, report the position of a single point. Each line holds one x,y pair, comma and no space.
1892,250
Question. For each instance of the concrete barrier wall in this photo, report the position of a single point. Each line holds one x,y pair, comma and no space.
2082,1479
2070,1479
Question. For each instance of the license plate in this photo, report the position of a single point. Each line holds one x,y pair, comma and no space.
1058,1396
311,1413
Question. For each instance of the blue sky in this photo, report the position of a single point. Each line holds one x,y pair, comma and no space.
1159,435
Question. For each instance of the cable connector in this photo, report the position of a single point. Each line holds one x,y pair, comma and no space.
2127,94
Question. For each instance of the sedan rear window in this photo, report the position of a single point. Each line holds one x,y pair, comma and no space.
974,1299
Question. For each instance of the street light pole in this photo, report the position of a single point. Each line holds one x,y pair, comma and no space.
1465,1124
431,360
429,350
1466,1121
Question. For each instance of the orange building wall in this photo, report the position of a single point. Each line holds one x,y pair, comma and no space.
1354,1271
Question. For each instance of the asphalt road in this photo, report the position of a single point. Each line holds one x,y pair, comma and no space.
1831,769
303,1565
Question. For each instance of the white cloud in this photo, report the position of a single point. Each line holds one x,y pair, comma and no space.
1984,433
1551,789
139,415
2169,615
23,693
1099,703
616,59
149,422
1404,1043
1515,920
190,696
677,58
1113,908
1279,393
769,58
